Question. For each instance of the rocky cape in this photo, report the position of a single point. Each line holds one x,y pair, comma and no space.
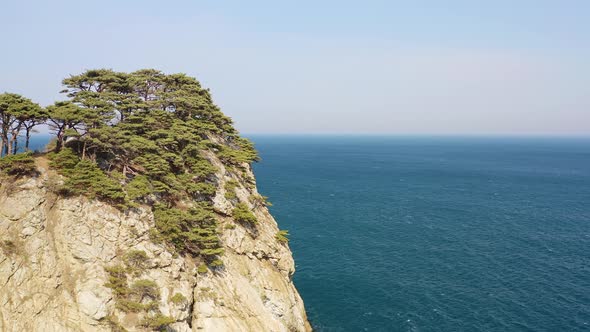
55,252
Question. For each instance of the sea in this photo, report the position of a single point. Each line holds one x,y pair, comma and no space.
396,233
426,233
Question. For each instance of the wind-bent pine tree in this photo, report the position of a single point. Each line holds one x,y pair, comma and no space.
137,138
17,113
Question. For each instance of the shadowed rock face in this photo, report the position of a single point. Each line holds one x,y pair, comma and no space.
54,251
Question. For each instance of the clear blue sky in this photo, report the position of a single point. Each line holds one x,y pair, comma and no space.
441,67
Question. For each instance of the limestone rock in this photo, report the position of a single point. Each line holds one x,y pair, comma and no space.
54,253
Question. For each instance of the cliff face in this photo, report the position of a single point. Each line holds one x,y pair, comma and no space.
55,253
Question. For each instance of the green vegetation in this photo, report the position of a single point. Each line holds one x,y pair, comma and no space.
259,200
131,139
193,231
202,268
242,213
158,322
136,260
86,178
18,115
133,298
230,189
138,188
178,299
130,306
216,263
137,139
282,236
118,280
18,165
239,151
142,289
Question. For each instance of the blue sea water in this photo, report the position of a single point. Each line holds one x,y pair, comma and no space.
435,233
37,142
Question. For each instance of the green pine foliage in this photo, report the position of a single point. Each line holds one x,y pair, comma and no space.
129,305
86,178
259,200
242,213
18,117
142,295
136,261
230,189
132,139
193,231
18,165
64,161
117,280
239,151
282,236
178,299
216,263
141,139
142,289
138,188
158,322
202,268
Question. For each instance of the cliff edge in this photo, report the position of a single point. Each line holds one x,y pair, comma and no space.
142,214
58,255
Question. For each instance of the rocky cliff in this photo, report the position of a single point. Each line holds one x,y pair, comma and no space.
57,259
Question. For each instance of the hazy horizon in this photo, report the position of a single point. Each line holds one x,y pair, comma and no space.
378,68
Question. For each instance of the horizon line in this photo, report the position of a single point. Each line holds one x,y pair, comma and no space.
524,135
385,134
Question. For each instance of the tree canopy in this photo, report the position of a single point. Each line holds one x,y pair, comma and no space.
137,138
17,114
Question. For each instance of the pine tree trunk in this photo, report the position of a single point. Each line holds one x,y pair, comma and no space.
84,151
59,143
5,141
28,139
10,143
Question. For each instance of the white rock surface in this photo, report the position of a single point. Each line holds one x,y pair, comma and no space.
54,278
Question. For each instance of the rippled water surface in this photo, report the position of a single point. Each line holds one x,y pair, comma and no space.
435,234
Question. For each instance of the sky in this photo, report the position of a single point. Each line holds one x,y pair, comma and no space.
518,67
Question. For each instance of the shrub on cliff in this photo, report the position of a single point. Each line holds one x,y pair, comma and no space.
18,165
136,261
117,280
230,189
144,288
282,236
178,299
240,150
242,213
158,322
64,161
86,178
192,231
